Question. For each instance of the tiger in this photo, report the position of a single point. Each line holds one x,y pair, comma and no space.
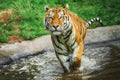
68,33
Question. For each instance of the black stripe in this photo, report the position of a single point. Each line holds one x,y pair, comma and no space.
98,19
67,37
65,54
67,27
95,20
68,18
57,46
58,40
73,43
101,24
68,34
67,24
66,40
92,20
89,23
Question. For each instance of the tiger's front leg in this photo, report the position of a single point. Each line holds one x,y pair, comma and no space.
75,60
63,59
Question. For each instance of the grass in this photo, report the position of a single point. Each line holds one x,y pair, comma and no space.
27,18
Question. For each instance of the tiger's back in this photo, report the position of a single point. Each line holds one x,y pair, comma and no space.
79,25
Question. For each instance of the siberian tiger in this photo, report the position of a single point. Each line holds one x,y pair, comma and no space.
67,33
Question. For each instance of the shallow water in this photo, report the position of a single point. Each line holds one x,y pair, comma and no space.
107,66
101,62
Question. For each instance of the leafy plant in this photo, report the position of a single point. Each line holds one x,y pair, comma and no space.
3,39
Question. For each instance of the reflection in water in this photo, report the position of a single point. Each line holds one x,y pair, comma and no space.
7,74
110,66
71,76
99,63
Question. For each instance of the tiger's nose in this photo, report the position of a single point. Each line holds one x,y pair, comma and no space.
55,26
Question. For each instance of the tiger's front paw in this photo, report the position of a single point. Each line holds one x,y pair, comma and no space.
74,64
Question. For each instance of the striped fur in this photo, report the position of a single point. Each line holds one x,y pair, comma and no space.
94,20
67,33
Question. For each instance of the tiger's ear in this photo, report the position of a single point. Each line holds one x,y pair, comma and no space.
46,8
66,6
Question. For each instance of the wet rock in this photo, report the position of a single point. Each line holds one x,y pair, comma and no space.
5,60
15,51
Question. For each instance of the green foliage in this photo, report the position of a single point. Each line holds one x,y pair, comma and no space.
6,30
3,38
110,12
32,18
29,14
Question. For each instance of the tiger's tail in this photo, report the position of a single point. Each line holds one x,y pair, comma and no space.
94,20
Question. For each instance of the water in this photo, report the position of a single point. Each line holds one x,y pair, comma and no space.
107,66
100,62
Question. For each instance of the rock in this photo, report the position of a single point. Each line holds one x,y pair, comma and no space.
103,34
25,48
4,59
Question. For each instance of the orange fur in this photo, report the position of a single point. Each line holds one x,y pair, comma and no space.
80,31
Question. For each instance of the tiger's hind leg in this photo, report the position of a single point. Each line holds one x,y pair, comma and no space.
63,59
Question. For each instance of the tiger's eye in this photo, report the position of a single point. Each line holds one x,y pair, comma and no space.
59,10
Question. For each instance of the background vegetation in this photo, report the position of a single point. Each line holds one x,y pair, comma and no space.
27,19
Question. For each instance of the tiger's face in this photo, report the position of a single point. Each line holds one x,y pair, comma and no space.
57,20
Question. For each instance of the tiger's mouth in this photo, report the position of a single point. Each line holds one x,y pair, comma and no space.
56,32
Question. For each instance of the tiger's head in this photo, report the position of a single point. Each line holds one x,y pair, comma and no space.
57,20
